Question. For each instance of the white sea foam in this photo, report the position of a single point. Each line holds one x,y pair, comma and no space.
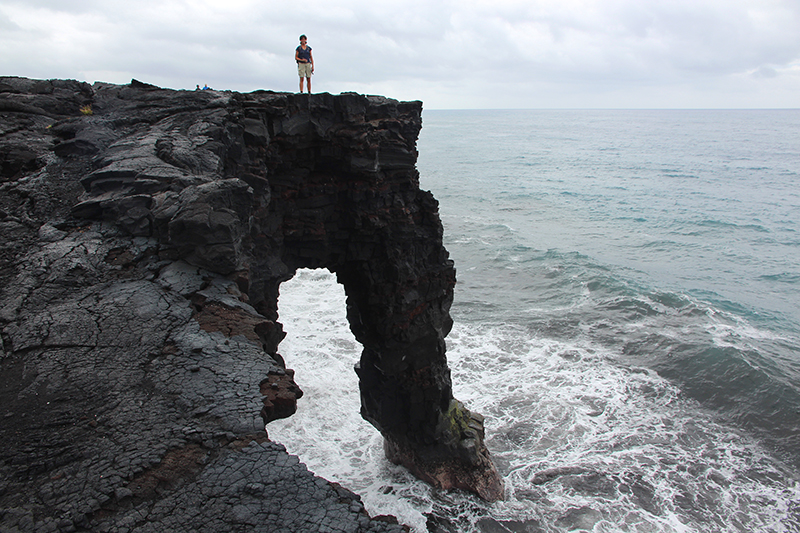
327,431
582,442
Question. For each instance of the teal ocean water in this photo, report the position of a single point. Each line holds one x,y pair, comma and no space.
627,317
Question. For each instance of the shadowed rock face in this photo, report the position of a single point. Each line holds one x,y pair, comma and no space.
144,247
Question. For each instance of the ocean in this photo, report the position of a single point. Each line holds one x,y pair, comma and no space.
627,318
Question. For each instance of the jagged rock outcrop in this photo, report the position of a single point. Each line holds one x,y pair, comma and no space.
146,233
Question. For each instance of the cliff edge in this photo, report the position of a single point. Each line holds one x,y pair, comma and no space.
146,233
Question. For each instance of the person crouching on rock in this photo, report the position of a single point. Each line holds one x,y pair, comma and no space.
305,62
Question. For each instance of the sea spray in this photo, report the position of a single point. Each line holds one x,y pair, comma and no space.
580,440
625,316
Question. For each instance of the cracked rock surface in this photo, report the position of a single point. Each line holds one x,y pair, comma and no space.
145,234
121,413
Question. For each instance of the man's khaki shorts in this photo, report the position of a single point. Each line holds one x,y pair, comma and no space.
304,70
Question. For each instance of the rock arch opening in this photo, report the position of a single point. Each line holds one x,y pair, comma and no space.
326,431
254,187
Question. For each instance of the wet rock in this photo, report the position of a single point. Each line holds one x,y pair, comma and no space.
490,525
579,518
545,476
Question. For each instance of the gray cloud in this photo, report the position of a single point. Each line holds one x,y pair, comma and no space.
472,53
765,72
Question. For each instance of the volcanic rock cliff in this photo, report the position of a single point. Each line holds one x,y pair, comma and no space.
145,235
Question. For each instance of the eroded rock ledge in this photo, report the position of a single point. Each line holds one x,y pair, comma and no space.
146,233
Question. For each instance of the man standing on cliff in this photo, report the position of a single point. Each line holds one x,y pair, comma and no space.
305,62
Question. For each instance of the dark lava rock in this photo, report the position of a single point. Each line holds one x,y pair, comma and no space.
146,233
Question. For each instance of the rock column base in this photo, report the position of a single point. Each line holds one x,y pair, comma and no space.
479,476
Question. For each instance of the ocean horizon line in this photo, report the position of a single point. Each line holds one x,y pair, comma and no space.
614,109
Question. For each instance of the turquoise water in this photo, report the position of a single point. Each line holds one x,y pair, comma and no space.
703,202
672,237
626,316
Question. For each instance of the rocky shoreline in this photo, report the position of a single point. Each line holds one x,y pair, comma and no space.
145,236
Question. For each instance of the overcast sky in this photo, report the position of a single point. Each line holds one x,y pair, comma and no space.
449,54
